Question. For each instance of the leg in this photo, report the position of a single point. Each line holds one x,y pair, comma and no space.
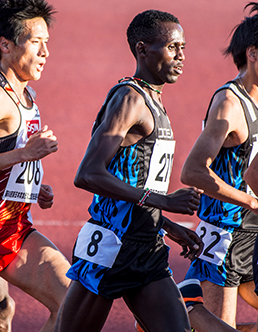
46,267
203,320
7,307
246,291
221,301
82,310
159,306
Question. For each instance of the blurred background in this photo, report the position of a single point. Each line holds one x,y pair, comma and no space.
88,55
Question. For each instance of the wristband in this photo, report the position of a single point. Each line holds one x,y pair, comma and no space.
144,197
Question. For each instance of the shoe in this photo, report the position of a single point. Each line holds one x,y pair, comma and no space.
191,291
137,327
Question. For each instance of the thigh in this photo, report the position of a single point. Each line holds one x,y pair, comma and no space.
82,310
246,291
159,306
221,301
39,269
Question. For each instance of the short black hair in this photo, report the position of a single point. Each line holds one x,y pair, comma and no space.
244,35
13,13
146,27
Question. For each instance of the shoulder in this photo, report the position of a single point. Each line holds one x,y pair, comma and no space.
127,101
7,105
225,104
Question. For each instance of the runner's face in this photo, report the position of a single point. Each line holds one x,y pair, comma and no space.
165,56
29,56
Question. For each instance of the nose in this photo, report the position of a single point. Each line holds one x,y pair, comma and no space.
180,54
44,50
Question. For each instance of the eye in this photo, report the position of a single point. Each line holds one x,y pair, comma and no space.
171,47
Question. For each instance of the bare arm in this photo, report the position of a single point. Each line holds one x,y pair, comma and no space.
190,242
126,119
38,146
226,126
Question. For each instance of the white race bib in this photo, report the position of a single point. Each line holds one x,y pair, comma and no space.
160,166
97,245
216,242
24,182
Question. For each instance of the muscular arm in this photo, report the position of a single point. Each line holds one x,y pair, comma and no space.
226,126
126,121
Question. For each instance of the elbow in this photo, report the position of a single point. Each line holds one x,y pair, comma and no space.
186,176
83,180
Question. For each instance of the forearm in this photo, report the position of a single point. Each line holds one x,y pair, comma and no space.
205,179
11,158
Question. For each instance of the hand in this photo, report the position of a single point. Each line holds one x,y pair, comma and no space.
185,200
190,242
40,144
46,196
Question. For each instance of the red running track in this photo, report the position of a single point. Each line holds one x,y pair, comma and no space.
88,54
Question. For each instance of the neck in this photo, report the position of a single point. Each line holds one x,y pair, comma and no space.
146,84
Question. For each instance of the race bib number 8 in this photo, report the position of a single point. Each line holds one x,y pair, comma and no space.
216,242
24,182
97,245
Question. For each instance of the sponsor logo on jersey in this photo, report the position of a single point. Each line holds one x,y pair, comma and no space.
165,133
32,127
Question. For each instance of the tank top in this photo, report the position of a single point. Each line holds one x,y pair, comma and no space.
230,165
146,164
19,184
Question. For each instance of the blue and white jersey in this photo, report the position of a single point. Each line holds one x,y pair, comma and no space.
146,164
230,165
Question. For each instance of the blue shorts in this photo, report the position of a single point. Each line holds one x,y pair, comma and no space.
237,266
137,264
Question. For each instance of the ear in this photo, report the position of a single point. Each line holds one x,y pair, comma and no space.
4,45
251,53
140,48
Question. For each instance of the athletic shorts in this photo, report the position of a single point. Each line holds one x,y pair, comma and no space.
237,267
255,265
137,264
12,236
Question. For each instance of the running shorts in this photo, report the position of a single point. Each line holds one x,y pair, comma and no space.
138,263
12,236
237,267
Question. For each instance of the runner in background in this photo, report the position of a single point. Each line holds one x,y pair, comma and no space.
28,259
216,164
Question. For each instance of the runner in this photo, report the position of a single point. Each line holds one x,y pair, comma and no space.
28,260
216,164
120,251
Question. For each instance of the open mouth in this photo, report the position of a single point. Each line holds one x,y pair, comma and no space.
178,70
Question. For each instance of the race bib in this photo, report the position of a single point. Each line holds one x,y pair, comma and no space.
24,182
216,242
97,245
160,166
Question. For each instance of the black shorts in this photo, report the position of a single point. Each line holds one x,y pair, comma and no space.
237,267
137,264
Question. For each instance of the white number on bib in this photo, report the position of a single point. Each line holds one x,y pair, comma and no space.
216,242
97,245
160,166
24,182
